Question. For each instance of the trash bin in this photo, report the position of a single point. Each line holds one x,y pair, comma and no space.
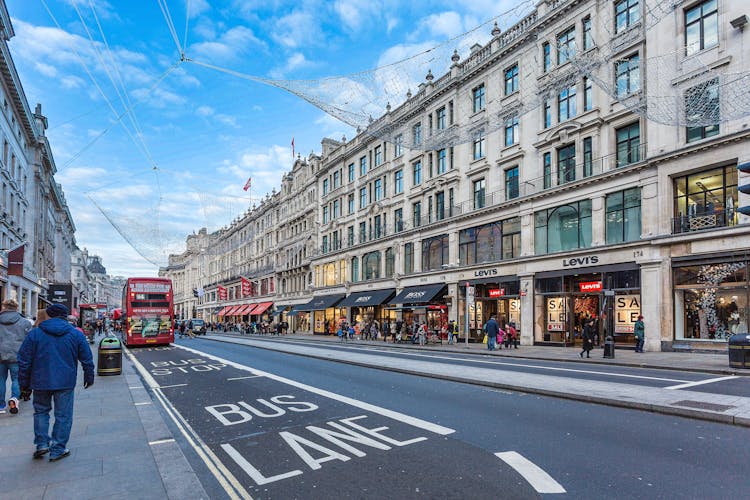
739,350
609,347
110,357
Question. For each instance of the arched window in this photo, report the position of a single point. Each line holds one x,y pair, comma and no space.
371,266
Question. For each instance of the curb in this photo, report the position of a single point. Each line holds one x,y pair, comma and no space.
654,408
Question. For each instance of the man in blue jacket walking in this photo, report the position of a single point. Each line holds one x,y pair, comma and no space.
48,366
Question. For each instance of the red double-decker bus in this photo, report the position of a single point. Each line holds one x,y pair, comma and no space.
148,312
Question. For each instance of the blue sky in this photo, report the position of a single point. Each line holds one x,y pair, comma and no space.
206,131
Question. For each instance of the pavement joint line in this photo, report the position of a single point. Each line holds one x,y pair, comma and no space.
657,407
161,441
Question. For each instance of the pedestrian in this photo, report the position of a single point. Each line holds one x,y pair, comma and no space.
640,334
588,338
451,330
399,328
423,333
491,329
41,315
511,336
48,366
386,330
13,329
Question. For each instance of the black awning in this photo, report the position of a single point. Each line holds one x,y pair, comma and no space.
369,298
611,268
322,302
417,294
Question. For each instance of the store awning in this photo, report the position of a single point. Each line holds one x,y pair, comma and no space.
368,298
296,308
496,279
261,308
322,302
232,310
223,312
244,309
417,294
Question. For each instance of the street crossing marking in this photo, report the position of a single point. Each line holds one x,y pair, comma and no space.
532,473
701,382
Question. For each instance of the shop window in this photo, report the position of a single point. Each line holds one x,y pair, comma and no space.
408,258
371,266
625,279
705,200
566,227
624,216
549,285
490,243
434,252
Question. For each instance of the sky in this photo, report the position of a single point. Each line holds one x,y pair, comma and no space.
151,146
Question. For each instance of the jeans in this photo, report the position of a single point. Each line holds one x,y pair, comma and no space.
63,402
491,343
15,390
639,345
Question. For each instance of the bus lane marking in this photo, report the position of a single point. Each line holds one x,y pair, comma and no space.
531,472
243,378
701,382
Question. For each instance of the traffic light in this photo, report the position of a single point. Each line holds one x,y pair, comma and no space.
744,188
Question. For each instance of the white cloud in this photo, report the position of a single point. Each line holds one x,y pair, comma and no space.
298,29
230,45
198,7
295,62
443,25
204,111
46,69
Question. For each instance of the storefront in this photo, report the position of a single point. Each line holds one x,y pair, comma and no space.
299,320
711,297
497,295
325,313
260,312
364,307
424,303
565,300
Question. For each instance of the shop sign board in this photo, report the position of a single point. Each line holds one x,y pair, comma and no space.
627,309
470,295
496,292
590,286
556,314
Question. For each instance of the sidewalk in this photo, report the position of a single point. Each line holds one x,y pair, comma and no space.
113,454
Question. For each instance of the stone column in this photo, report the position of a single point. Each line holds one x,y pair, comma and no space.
657,316
598,221
527,309
527,234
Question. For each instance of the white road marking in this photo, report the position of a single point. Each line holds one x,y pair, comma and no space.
243,378
136,387
493,362
161,441
143,403
402,417
225,478
701,382
535,475
170,386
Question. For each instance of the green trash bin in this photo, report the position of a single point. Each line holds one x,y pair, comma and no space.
110,357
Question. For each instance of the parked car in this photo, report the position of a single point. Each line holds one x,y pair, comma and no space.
199,326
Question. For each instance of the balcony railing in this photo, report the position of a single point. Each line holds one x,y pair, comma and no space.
701,220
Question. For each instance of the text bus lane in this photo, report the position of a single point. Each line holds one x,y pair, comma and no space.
282,439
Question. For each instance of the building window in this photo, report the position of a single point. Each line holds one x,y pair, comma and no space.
478,146
490,243
355,269
706,199
547,114
325,244
588,41
627,14
351,172
547,56
362,197
398,220
362,166
336,179
390,262
350,202
547,167
479,194
440,118
450,202
628,76
701,26
478,98
566,164
325,187
588,157
408,258
325,214
434,252
336,209
417,214
566,104
441,162
511,130
378,189
588,95
511,79
371,266
702,106
378,155
350,236
566,227
566,45
623,216
378,229
417,173
440,205
511,183
416,131
398,148
450,113
628,144
398,182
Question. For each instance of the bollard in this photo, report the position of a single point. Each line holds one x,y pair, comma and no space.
110,357
609,347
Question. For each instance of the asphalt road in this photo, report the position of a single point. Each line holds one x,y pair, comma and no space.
281,426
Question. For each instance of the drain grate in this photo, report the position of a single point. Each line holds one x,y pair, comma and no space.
700,405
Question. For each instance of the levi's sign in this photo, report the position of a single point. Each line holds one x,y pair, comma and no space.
486,273
496,292
590,286
580,261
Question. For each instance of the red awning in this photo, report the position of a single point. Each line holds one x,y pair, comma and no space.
223,312
250,308
244,309
233,310
261,308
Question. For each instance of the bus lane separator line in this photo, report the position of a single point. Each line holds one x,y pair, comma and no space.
243,378
395,415
701,382
531,472
226,479
170,386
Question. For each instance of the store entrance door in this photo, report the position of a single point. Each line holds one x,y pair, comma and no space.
585,306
